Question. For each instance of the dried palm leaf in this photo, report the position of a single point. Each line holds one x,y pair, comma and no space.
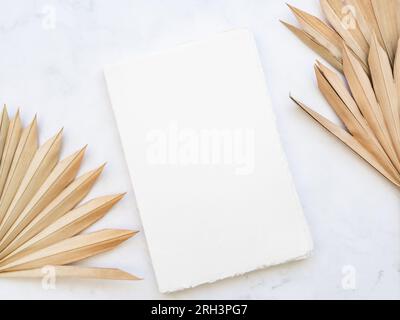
320,31
66,200
348,140
368,101
346,108
386,16
385,91
39,224
67,226
314,45
324,37
60,177
396,71
26,149
72,272
71,250
4,124
13,135
349,31
364,95
42,164
365,16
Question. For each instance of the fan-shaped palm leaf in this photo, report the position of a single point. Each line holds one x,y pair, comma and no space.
40,224
361,40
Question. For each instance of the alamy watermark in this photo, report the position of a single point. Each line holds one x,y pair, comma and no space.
48,17
179,146
49,277
349,17
349,278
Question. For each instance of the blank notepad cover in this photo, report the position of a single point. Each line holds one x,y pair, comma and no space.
211,180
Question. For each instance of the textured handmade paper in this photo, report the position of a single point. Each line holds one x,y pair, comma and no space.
211,180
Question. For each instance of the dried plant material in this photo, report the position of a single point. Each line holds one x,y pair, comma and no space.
42,164
324,35
363,93
349,31
26,150
348,140
370,111
38,223
60,177
4,124
396,71
386,16
398,16
345,107
71,250
315,46
73,272
71,224
385,90
66,200
330,50
365,16
13,135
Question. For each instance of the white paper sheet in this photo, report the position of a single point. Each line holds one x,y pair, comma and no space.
211,180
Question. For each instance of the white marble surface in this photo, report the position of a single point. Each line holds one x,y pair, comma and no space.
52,56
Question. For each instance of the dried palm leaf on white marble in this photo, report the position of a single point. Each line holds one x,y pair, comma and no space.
71,250
367,101
320,31
40,224
315,46
71,224
72,272
337,95
324,37
348,140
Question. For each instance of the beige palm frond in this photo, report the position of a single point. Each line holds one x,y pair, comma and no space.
41,220
360,39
